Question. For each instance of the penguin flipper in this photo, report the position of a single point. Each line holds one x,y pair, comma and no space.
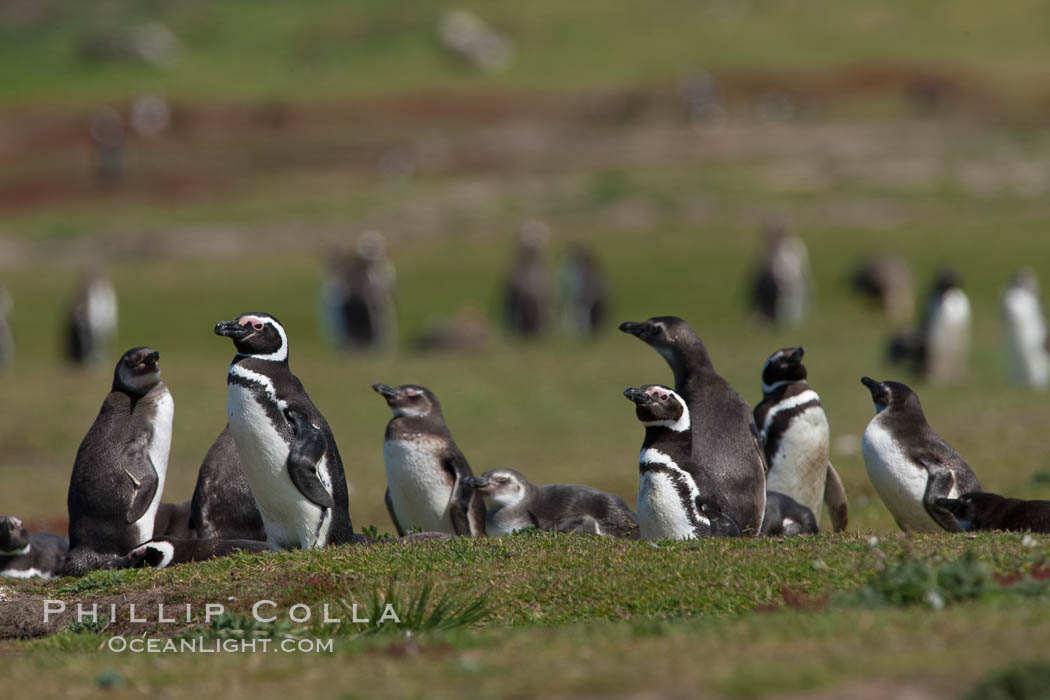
463,493
835,498
308,449
722,524
136,462
938,485
393,515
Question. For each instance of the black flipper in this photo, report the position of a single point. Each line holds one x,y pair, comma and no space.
722,524
139,467
939,485
463,493
393,516
835,498
307,451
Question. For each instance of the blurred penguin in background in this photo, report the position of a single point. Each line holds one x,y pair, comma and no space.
887,281
357,299
527,297
783,284
1024,331
92,320
7,341
940,349
584,292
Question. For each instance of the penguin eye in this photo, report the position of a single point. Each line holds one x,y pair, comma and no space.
663,397
257,325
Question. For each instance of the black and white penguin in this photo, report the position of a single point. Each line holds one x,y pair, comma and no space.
118,475
163,552
988,511
795,435
781,288
223,506
586,298
174,520
92,319
426,473
515,504
725,441
786,517
1024,331
28,555
940,349
676,500
287,450
909,464
888,281
357,299
528,288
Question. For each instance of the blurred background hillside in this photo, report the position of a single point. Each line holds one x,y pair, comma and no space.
216,157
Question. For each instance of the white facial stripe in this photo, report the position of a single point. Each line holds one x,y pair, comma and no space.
679,426
785,405
167,551
260,379
281,354
407,411
767,388
16,552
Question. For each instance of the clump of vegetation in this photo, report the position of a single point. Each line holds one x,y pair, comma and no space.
913,581
237,626
372,532
1023,681
399,610
87,626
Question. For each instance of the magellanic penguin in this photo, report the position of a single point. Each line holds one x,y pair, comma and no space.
7,341
528,293
584,293
286,448
988,511
887,280
163,552
426,473
725,441
909,464
118,475
676,500
174,520
223,506
1024,332
795,435
515,504
786,517
28,555
782,286
357,300
92,319
940,349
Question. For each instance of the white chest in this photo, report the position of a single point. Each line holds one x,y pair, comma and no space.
159,450
501,523
799,466
662,512
900,483
420,488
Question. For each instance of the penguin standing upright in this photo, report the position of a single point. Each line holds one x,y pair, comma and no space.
357,301
584,292
92,320
676,500
795,436
287,450
7,341
940,349
223,506
725,441
28,555
887,280
909,464
118,475
781,289
1024,331
427,475
527,296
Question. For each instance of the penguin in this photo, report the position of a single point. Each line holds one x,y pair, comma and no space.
795,435
725,441
887,280
7,341
223,506
357,301
527,295
786,517
287,450
909,464
676,500
781,288
426,473
1025,333
92,319
162,552
585,294
25,555
939,350
118,474
988,511
515,504
174,520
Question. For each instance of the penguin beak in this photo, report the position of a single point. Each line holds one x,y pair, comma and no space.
478,482
637,395
879,392
232,329
870,383
151,359
385,390
632,328
797,355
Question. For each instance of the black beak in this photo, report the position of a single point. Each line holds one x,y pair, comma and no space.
478,482
870,383
637,395
11,522
151,359
797,355
632,328
385,390
232,329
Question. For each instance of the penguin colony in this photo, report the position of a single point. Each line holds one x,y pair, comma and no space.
709,464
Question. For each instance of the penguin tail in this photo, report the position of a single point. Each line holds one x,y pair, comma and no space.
835,499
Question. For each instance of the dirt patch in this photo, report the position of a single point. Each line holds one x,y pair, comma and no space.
28,617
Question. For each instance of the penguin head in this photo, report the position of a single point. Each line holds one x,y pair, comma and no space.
137,371
256,335
890,395
659,406
501,487
409,400
966,508
13,534
945,279
783,366
670,336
